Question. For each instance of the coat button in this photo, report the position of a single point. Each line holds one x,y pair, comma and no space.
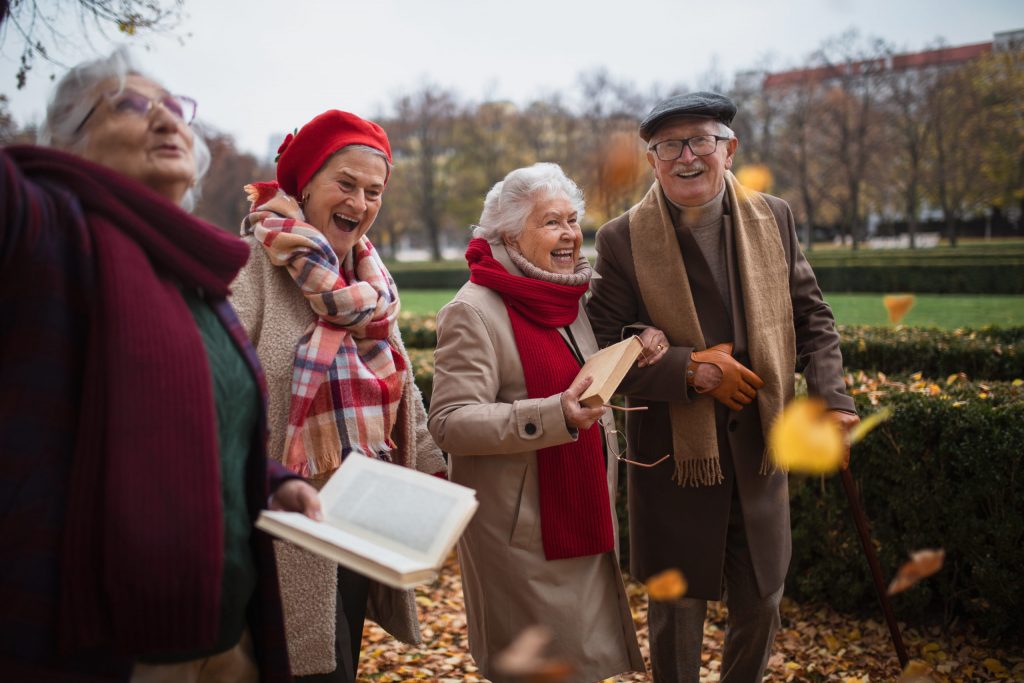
530,428
732,425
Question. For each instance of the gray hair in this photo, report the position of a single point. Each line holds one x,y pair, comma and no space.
510,201
75,95
362,148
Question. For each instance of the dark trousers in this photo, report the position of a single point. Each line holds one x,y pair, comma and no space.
677,627
352,593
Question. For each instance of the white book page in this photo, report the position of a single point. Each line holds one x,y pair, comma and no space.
409,512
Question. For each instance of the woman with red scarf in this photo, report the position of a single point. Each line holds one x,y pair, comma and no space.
541,547
322,310
132,412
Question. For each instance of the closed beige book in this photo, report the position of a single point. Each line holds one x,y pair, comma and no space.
390,523
607,367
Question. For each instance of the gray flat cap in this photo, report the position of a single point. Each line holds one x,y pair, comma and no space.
707,104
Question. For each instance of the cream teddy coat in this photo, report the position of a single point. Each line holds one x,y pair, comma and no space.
275,314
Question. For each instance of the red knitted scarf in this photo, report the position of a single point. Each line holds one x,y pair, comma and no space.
143,546
575,513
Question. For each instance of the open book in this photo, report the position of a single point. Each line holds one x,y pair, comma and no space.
390,523
608,366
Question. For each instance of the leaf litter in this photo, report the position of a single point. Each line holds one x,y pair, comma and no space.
815,644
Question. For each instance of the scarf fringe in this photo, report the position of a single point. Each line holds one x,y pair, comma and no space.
702,472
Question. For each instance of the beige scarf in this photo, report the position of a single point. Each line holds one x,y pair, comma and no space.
764,278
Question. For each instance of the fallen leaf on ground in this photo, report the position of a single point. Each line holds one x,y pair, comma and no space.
916,672
923,564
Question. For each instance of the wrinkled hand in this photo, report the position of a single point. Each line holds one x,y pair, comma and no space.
655,346
738,385
845,421
576,414
296,495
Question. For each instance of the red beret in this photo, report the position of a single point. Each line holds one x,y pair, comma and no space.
301,155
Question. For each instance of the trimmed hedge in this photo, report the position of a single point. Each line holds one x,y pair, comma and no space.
986,277
944,471
979,269
988,353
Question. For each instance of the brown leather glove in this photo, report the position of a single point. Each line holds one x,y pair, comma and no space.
737,385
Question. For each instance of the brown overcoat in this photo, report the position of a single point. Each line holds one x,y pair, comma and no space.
481,415
685,527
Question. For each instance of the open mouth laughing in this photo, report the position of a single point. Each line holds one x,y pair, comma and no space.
345,223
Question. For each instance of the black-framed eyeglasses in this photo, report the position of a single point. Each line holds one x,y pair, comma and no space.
133,102
700,145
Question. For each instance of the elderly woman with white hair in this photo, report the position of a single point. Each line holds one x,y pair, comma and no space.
131,412
505,406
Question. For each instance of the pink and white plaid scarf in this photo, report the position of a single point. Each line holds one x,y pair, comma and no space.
347,378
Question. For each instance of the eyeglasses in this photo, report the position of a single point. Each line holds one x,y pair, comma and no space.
132,102
700,145
617,448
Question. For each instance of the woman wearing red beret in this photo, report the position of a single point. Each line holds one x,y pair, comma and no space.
322,311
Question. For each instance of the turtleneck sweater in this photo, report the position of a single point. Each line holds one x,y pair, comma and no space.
705,223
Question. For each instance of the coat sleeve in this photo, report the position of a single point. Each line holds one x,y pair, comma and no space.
817,341
615,310
465,416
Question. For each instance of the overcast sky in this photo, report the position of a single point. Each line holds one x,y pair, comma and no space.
260,67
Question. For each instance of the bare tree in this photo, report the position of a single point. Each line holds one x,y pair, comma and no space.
906,118
422,135
853,71
36,24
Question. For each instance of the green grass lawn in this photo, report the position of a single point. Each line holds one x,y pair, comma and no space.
947,311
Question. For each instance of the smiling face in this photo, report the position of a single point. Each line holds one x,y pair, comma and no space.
551,238
344,197
691,180
154,148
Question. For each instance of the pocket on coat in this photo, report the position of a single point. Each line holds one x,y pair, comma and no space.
523,519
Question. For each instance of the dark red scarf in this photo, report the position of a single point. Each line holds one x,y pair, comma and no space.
143,543
575,513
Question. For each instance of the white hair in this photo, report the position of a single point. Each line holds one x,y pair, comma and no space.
75,95
510,201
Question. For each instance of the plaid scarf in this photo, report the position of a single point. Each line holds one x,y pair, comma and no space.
348,378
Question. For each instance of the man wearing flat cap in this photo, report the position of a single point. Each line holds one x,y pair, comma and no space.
718,268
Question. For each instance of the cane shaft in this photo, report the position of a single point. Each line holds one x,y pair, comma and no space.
861,522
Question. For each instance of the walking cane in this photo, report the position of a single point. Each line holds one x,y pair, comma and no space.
861,521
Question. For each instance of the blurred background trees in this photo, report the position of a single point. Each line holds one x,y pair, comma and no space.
865,141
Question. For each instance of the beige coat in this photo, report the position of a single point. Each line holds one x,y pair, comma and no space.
480,414
275,314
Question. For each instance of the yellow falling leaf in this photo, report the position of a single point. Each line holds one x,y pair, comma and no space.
755,176
864,427
667,585
923,564
1017,382
952,378
805,439
916,376
898,305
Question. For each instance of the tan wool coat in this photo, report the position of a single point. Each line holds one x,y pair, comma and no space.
275,314
480,415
